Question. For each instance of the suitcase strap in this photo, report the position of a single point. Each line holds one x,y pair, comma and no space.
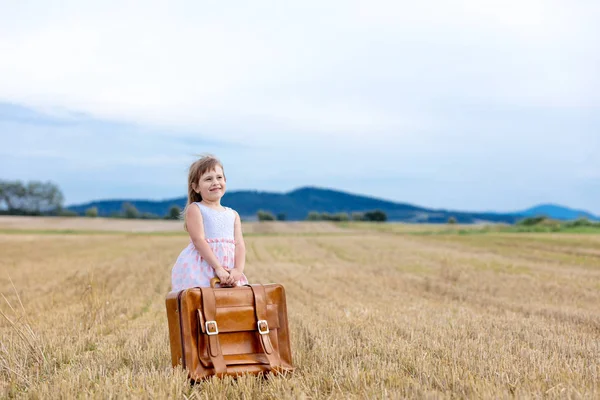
209,305
260,307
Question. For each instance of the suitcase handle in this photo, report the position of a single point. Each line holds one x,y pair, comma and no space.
215,280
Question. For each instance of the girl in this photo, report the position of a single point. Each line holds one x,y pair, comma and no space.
217,247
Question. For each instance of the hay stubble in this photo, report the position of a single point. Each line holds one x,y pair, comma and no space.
372,314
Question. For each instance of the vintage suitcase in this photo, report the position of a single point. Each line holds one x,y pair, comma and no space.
229,331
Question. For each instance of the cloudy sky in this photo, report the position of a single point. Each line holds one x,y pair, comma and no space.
466,104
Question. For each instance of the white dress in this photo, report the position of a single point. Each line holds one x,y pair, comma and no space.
191,269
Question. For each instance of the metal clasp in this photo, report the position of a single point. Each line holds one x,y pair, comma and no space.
263,326
213,325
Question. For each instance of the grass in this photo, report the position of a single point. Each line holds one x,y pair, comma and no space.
373,313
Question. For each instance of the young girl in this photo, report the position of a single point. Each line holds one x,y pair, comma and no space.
217,247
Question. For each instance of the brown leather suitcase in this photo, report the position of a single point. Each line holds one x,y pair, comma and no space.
229,331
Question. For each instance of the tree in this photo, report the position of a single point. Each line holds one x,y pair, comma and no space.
325,216
581,221
33,198
338,217
531,221
67,213
12,194
148,215
452,220
341,217
358,216
313,216
130,211
91,212
43,197
281,216
377,216
174,212
265,216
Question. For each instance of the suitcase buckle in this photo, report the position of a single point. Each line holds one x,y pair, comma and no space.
263,326
213,330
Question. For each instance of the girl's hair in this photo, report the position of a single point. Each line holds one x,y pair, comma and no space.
197,169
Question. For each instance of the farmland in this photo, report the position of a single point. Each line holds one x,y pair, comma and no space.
374,311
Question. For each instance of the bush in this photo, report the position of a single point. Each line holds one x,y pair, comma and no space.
344,216
340,217
148,215
67,213
452,220
91,212
531,221
265,216
325,216
281,217
358,216
313,216
580,222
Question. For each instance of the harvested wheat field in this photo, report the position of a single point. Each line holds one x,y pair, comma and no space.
373,313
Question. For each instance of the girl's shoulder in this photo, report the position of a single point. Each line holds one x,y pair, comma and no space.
231,210
225,209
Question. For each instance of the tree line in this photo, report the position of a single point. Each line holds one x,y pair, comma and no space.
46,198
129,211
374,216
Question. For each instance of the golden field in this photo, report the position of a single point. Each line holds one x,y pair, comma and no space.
374,312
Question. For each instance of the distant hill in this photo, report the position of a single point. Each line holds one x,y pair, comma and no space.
555,211
298,203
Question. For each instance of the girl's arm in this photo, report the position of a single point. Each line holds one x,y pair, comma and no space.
240,245
195,228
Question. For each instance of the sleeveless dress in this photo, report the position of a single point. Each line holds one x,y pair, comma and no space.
191,269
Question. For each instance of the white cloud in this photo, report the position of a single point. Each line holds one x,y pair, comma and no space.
332,66
459,92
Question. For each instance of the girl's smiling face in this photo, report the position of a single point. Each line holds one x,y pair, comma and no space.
212,184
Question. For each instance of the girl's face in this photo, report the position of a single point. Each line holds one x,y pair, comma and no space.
211,184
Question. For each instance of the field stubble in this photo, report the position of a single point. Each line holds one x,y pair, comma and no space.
372,314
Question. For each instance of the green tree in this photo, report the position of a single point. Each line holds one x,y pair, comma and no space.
376,216
129,211
12,195
174,212
281,216
452,220
91,212
531,221
582,221
148,215
325,216
358,216
313,216
67,213
265,216
337,217
35,197
342,217
43,197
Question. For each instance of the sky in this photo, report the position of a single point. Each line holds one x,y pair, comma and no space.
467,104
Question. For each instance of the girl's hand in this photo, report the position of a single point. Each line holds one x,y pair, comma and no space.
223,275
235,275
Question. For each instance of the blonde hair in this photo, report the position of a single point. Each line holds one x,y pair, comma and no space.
197,169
